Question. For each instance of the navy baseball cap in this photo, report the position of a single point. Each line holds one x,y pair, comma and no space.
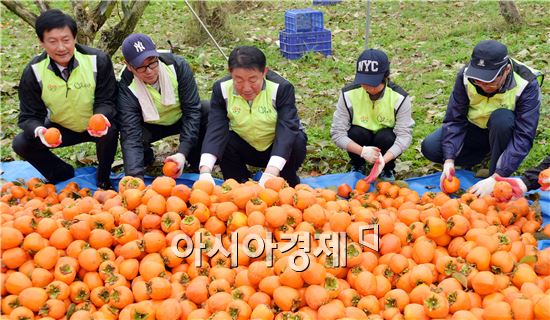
137,47
371,68
488,59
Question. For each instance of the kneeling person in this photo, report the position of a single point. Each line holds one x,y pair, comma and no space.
373,121
253,121
158,97
63,88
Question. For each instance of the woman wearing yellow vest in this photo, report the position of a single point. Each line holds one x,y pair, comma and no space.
63,87
493,111
253,120
372,121
157,98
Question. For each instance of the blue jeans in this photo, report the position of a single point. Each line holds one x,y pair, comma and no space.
478,143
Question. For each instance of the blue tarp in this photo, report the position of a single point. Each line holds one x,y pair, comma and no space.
85,177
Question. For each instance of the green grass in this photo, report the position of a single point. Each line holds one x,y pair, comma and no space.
427,43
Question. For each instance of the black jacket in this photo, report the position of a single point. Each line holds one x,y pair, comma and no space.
32,110
287,128
130,118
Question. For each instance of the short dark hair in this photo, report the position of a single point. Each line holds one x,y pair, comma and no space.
247,57
54,19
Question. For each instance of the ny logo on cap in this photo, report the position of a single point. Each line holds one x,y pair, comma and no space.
481,63
367,66
139,46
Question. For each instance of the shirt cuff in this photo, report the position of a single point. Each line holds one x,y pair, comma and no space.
208,160
277,162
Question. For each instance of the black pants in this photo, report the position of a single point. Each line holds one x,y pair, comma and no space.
56,170
153,132
239,153
383,139
478,143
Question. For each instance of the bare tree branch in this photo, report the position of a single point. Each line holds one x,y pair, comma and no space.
43,5
23,13
101,13
111,39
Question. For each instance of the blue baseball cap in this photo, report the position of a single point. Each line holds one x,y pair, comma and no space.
488,59
137,47
371,68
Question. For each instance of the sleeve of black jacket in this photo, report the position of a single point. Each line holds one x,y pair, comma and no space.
531,176
456,120
288,123
130,123
32,110
106,87
217,130
190,106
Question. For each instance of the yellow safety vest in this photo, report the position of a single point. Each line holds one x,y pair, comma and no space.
70,103
373,115
254,123
481,107
170,114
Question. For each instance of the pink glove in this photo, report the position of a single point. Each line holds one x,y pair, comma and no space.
376,169
518,187
99,134
39,133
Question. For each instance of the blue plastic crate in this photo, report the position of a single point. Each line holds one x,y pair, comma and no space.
325,2
294,56
303,20
305,41
294,45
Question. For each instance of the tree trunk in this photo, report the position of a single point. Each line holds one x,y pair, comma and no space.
510,12
112,39
22,12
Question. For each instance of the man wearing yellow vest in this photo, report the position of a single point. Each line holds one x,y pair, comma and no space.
63,87
493,110
157,98
372,121
253,120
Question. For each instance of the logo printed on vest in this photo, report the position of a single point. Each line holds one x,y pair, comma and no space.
236,109
139,46
79,85
263,109
481,63
364,119
367,66
52,87
381,118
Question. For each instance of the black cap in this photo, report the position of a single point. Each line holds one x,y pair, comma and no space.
137,47
371,68
488,59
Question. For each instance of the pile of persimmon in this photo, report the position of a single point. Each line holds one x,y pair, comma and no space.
73,255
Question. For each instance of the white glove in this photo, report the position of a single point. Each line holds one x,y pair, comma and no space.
376,169
448,172
207,176
265,176
98,134
370,154
179,159
40,131
518,187
484,187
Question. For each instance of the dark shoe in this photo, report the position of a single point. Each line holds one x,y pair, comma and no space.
105,185
387,175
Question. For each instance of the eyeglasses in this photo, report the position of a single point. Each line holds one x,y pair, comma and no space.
493,84
153,65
